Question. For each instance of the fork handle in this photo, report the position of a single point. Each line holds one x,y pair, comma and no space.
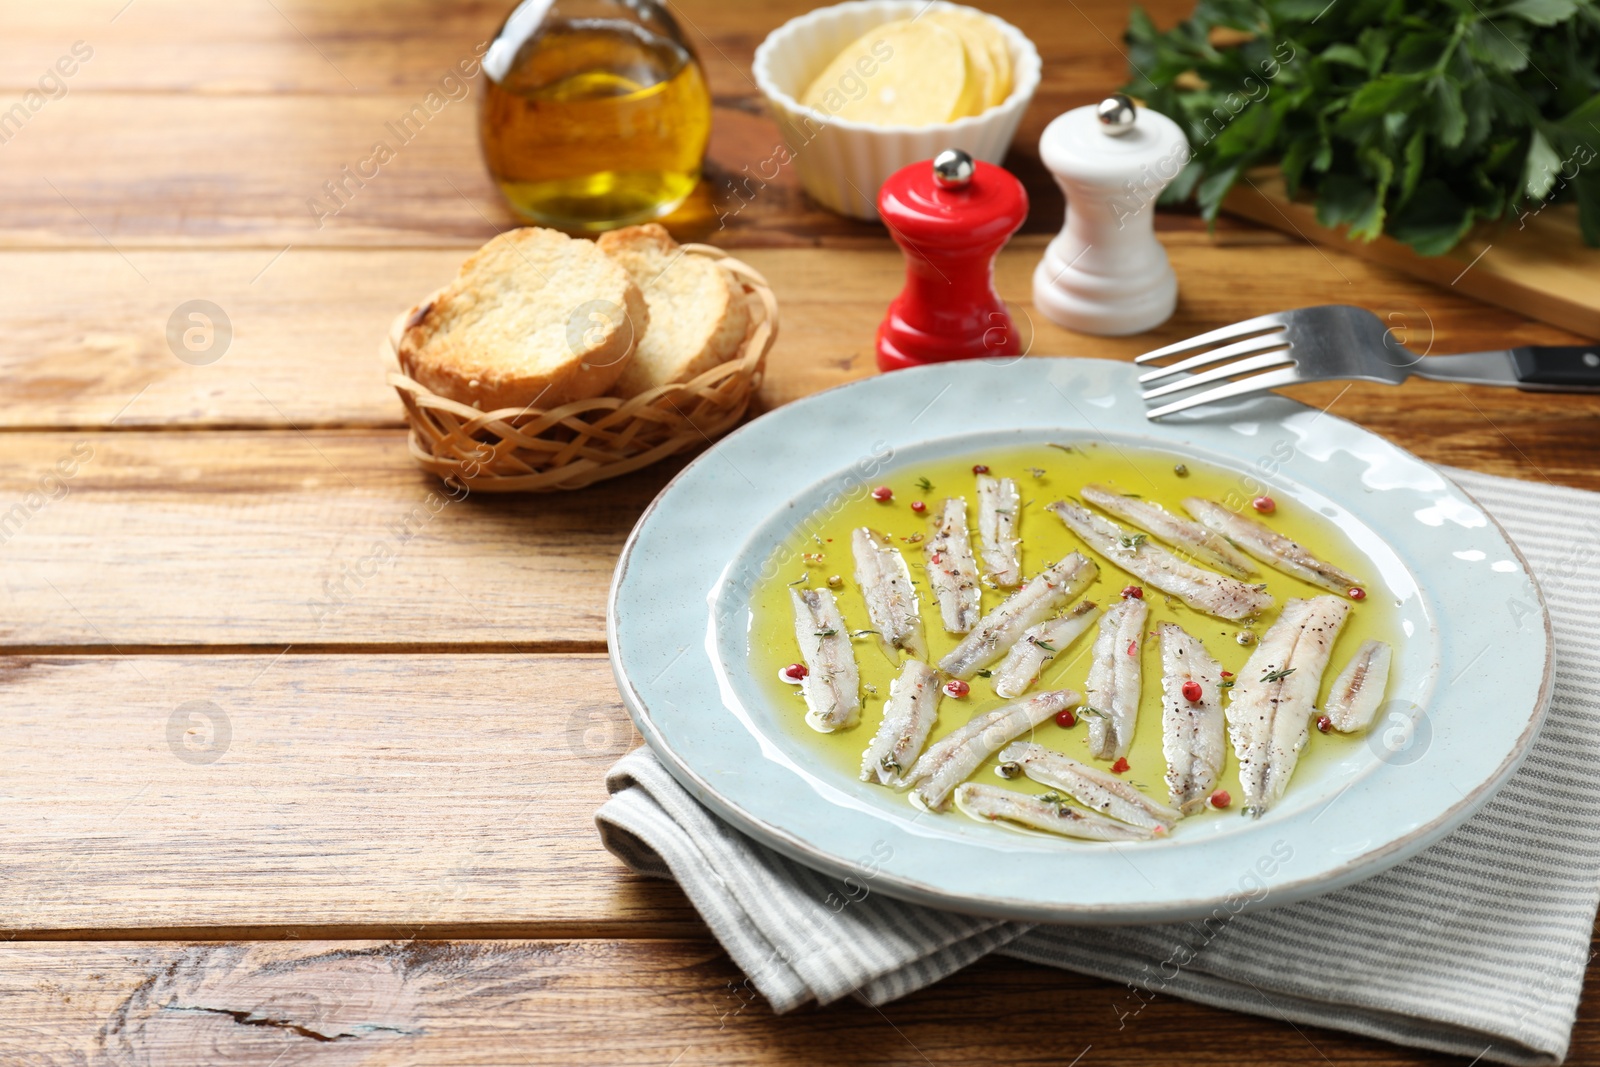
1558,365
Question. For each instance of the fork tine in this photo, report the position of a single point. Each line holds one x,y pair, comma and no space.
1224,333
1255,384
1265,361
1246,347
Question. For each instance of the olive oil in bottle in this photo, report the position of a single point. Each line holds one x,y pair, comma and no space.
598,118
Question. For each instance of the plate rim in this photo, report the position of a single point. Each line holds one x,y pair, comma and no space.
1362,865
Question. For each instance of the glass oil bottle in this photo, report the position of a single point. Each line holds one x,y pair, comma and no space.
595,113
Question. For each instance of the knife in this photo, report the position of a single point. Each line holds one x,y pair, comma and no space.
1538,367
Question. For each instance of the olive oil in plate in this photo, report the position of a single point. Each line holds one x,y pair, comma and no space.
819,550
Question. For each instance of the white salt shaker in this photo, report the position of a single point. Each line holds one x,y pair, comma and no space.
1105,272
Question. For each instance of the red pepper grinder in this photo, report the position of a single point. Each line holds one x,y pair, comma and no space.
950,217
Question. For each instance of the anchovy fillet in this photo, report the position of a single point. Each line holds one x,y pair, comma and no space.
952,571
1269,714
952,759
1043,595
998,507
987,803
1205,546
1091,787
1193,737
1207,591
1037,646
832,685
1112,690
1271,547
885,583
908,716
1358,690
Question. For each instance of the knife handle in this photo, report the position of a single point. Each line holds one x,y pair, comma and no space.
1558,365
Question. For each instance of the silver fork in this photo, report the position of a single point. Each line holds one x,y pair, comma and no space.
1337,341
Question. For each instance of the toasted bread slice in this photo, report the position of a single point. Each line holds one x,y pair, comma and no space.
534,317
698,314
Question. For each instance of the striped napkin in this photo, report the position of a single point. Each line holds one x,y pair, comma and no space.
1476,946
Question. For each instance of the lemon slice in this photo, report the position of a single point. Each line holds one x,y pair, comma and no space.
975,96
982,78
980,33
903,73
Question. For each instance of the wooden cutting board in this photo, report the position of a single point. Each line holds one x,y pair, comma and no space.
1538,265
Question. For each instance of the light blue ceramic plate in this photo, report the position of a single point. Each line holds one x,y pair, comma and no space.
679,615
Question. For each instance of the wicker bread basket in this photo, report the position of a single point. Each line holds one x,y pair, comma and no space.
535,450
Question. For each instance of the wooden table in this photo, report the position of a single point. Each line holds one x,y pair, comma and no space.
301,769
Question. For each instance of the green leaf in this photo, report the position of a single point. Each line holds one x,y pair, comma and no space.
1502,150
1369,225
1433,221
1251,130
1542,12
1490,42
1295,158
1584,120
1183,185
1539,173
1418,52
1377,96
1478,100
1449,113
1212,190
1347,54
1299,10
1324,157
1374,42
1342,199
1416,155
1140,29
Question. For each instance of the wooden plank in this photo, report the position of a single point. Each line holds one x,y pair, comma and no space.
241,170
87,337
381,1004
266,796
261,540
1537,265
353,47
288,46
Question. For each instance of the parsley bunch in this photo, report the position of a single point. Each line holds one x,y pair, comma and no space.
1414,118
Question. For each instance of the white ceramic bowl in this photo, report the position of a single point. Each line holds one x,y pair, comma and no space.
842,163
